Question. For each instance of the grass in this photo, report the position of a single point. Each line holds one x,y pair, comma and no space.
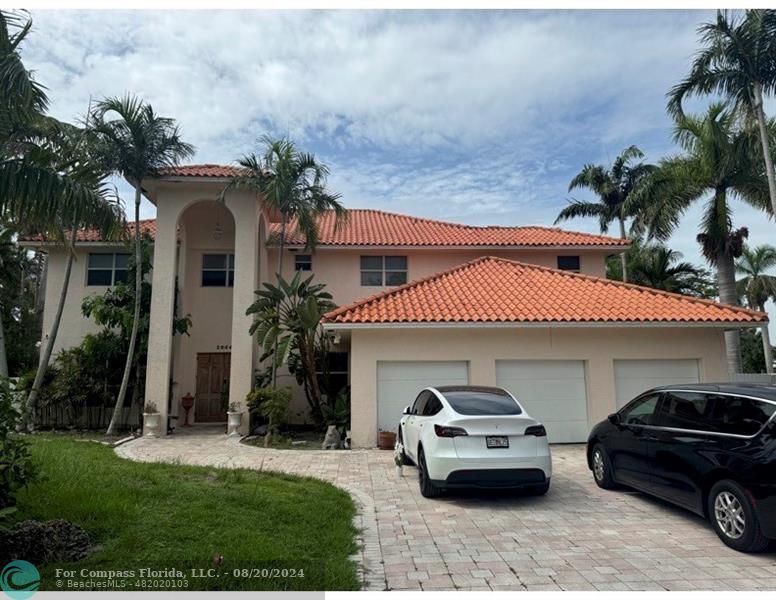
173,516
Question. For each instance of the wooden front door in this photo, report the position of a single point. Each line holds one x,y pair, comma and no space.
212,387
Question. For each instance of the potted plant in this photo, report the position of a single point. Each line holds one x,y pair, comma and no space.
233,419
152,420
386,440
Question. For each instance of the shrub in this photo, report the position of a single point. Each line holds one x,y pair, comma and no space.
16,466
337,411
272,404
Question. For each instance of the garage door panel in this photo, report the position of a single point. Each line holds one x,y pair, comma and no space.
552,391
399,383
532,370
634,377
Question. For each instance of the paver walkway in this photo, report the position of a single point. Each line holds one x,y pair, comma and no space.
577,537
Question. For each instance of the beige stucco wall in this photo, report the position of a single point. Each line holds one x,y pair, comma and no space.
340,269
73,326
482,347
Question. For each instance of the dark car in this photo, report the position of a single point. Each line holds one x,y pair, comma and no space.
710,448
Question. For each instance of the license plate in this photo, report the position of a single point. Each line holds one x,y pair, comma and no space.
500,441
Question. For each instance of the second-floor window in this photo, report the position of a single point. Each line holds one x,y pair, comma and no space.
218,270
568,263
303,262
106,269
383,270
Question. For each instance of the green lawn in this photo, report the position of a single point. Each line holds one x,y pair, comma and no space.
172,516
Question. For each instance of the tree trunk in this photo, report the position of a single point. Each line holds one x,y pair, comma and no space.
3,354
726,281
762,124
767,348
279,274
114,420
623,259
48,346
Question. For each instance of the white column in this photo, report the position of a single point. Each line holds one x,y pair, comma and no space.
246,276
160,339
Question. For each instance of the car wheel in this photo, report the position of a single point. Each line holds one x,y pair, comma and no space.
602,468
427,488
405,460
733,517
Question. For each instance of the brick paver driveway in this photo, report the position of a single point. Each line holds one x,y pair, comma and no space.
578,537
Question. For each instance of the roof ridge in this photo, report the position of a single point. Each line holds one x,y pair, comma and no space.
610,282
483,227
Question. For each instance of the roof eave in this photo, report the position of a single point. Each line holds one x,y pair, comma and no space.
334,326
620,248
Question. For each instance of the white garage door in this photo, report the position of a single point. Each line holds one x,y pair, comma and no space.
552,391
632,377
399,383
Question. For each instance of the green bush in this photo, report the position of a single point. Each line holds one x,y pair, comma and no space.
16,466
272,404
337,411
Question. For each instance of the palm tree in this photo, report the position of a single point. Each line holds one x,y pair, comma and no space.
293,184
718,163
84,171
136,145
38,184
662,268
612,186
736,62
757,286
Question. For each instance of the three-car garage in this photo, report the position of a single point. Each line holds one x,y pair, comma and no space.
553,391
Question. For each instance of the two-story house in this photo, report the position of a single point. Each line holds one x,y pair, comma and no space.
422,302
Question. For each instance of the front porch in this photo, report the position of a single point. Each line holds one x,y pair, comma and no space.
209,258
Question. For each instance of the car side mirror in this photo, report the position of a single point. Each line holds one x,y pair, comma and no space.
407,411
614,418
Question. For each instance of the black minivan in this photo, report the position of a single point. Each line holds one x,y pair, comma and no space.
710,448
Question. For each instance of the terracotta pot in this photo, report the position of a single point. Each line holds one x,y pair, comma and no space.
386,440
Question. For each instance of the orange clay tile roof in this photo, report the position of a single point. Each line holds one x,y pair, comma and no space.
495,290
200,171
366,227
147,226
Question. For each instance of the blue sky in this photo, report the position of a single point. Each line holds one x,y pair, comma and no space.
478,117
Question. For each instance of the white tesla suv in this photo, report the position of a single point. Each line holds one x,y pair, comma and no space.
469,436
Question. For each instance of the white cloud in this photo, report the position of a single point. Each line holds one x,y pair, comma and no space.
481,117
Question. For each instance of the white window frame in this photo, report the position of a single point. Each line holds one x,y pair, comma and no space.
384,270
229,258
112,268
308,261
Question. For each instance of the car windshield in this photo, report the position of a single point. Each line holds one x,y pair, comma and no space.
470,402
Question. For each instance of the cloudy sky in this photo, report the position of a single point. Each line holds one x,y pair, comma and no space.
478,117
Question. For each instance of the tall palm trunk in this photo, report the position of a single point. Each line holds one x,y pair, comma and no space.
3,353
279,275
762,124
726,280
114,420
623,258
767,348
48,346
